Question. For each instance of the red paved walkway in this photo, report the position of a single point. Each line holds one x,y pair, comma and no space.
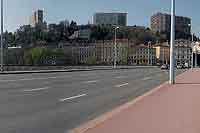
170,109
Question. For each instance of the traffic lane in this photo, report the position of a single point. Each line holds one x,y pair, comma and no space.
47,76
42,98
11,86
58,85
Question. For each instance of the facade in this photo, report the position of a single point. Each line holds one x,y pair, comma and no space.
163,53
83,54
79,53
37,18
161,22
105,52
119,19
142,55
183,52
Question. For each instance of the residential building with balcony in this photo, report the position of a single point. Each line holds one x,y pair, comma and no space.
82,54
142,55
105,51
183,52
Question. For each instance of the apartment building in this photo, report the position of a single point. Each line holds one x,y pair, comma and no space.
105,51
142,55
161,22
183,52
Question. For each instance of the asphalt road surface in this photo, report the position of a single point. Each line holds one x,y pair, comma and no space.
58,102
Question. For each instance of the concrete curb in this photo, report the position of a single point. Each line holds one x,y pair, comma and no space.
68,70
106,116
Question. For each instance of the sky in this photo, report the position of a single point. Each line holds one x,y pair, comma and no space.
17,12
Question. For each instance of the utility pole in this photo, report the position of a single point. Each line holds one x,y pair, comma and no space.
148,53
163,53
151,53
195,55
192,60
2,36
172,71
115,57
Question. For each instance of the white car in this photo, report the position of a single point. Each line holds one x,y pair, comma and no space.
164,67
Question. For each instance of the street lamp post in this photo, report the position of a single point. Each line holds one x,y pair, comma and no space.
115,57
172,71
196,57
1,35
149,54
192,64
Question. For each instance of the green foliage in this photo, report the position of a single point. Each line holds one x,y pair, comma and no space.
28,58
124,60
102,33
91,60
37,56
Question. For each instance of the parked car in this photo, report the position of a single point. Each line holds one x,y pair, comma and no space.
164,67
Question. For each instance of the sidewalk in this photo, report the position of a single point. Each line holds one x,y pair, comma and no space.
166,109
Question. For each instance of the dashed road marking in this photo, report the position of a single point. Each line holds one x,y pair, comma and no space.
147,78
121,85
30,79
121,77
37,89
72,98
91,81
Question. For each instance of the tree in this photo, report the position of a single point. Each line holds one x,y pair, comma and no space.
9,39
91,60
28,58
44,56
72,28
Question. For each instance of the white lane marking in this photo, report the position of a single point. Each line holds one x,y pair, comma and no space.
29,79
147,78
73,97
91,81
121,85
37,89
121,77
